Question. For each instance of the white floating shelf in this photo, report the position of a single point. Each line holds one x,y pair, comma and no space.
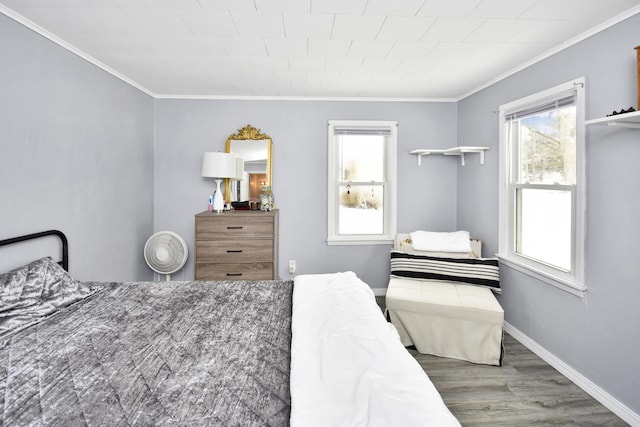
626,120
455,151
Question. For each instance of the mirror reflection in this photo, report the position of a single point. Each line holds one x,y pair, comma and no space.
254,148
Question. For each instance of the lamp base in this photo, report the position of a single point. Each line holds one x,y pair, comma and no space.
218,200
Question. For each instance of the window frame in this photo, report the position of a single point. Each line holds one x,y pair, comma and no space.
570,281
389,185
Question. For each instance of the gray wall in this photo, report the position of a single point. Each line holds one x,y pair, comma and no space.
185,129
76,154
598,335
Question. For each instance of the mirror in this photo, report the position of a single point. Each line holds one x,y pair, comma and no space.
254,148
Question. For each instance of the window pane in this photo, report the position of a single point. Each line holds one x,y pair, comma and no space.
361,158
548,147
361,209
544,226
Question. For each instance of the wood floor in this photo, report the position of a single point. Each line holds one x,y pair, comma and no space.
525,391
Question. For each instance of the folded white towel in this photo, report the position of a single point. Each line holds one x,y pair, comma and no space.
457,241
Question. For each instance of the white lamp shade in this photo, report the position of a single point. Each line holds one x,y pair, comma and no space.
219,165
239,169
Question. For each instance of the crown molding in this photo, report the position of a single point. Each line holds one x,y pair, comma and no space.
302,98
595,30
52,37
57,40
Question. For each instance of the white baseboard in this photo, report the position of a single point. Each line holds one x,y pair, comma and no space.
576,377
379,292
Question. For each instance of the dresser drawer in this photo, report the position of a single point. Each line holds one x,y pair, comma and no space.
237,245
229,227
234,251
255,271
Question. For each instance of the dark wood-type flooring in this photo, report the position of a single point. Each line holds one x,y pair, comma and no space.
525,391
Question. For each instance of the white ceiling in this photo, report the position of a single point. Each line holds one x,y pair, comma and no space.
424,49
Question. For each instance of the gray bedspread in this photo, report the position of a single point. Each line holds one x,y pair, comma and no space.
174,353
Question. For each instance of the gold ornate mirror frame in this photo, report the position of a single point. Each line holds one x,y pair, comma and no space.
249,133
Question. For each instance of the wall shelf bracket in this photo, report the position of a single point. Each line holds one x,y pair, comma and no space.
455,151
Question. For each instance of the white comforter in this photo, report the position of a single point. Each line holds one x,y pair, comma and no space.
348,367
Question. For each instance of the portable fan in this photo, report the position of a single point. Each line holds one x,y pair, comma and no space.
165,253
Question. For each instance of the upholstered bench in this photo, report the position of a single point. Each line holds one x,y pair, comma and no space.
446,319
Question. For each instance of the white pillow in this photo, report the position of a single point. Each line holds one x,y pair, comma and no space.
457,241
407,247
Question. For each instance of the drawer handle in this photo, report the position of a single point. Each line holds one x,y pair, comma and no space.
239,227
234,251
234,274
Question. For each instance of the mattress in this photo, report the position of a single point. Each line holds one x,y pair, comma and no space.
172,353
348,366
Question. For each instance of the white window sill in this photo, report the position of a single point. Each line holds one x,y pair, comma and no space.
356,241
569,286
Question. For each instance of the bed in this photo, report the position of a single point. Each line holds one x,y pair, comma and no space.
203,353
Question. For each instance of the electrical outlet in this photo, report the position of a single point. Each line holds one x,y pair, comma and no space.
292,266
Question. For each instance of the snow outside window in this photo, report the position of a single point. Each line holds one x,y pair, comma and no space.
542,185
362,182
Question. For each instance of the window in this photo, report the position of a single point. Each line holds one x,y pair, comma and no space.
362,182
542,185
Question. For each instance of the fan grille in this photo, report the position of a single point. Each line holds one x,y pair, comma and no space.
165,252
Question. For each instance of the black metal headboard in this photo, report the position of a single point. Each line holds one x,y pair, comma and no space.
65,246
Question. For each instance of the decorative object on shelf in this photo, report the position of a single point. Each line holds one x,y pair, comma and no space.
266,199
219,166
455,151
622,111
625,118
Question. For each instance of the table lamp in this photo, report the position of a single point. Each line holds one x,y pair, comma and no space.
219,166
239,169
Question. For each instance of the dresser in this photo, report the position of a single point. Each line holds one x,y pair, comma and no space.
236,245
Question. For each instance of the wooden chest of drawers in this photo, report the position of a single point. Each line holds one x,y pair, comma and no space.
236,245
